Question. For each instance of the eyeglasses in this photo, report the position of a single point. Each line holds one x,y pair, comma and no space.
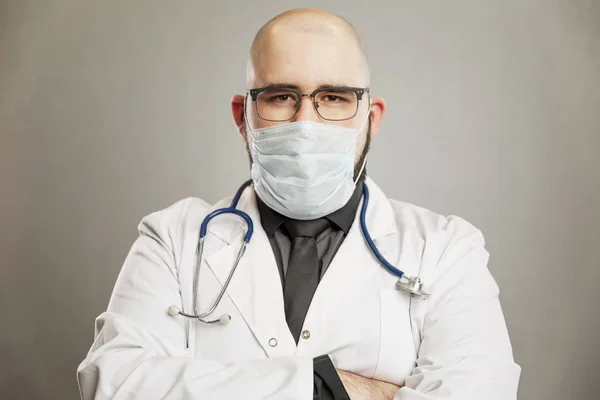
331,103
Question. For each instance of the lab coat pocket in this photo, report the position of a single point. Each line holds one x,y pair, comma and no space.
397,353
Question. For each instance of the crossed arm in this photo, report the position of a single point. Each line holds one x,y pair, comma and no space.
361,388
139,351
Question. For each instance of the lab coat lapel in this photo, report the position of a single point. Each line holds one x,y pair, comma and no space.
354,265
255,288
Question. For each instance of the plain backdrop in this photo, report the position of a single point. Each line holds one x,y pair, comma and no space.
110,110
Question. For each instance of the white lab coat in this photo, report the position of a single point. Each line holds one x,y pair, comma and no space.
452,346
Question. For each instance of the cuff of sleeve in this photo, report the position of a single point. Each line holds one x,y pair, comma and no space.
327,382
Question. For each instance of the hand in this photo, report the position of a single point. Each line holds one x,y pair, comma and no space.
361,388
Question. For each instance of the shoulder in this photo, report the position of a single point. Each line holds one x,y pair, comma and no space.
176,220
425,226
430,225
187,213
447,244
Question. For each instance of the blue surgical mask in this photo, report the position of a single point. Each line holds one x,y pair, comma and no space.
304,170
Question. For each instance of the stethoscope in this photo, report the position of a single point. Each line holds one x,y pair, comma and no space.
412,284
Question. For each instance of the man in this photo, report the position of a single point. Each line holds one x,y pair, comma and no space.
311,311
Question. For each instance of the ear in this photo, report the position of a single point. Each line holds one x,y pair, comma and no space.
378,108
237,110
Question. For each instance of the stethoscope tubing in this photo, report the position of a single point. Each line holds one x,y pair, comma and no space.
412,285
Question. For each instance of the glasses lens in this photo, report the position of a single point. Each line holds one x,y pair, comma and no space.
277,105
336,104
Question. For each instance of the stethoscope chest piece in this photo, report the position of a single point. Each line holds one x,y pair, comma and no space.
412,285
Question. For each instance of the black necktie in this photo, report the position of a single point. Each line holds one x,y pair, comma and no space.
302,276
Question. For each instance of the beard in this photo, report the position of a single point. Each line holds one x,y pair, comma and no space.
357,166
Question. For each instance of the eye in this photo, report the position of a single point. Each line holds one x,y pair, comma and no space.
331,98
277,97
336,96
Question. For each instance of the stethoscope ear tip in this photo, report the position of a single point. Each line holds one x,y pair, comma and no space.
173,310
225,319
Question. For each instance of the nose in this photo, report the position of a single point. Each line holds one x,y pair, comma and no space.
306,110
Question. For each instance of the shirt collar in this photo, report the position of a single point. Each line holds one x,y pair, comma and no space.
342,218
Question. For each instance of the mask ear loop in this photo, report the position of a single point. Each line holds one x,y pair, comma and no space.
246,117
367,118
361,170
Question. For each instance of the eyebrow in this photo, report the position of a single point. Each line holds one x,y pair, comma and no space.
283,85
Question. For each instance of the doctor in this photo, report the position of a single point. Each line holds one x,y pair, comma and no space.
311,312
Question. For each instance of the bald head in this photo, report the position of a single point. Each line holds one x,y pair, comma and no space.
311,32
307,50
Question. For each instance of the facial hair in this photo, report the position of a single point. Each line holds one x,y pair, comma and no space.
357,165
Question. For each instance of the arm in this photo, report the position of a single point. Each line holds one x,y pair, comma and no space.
465,351
140,351
361,388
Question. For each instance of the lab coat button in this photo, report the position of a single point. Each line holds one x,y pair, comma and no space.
272,342
305,334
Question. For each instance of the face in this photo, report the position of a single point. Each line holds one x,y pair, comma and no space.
308,61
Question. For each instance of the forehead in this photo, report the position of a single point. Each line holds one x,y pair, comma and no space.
308,61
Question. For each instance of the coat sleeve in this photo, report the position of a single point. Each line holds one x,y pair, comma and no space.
140,352
465,351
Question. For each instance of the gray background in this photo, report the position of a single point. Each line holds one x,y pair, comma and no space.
112,109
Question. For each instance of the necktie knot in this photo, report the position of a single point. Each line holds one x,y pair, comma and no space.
296,228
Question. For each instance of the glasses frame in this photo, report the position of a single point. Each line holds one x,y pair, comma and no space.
358,91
